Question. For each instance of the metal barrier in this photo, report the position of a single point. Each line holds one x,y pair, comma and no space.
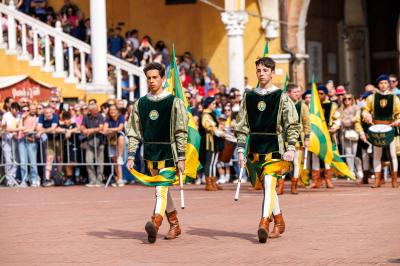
66,151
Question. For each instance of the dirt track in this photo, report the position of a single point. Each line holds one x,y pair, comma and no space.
79,225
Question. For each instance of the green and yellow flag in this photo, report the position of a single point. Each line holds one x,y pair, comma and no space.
339,167
173,84
266,50
320,139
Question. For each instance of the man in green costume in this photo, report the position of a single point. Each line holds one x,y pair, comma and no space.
159,119
269,118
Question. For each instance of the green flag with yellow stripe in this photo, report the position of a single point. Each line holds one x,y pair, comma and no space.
320,139
173,84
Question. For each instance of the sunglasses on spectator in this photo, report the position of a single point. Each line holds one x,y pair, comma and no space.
54,101
25,110
227,110
393,80
24,102
348,98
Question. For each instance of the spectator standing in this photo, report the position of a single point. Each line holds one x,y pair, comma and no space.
39,9
68,128
27,147
114,130
10,123
92,128
46,127
116,42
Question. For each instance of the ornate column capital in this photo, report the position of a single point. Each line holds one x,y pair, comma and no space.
234,22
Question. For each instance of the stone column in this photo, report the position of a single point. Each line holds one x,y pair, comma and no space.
234,23
99,44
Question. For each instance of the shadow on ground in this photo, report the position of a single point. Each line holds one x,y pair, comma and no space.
213,234
120,234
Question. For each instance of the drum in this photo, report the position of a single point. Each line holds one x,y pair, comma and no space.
380,135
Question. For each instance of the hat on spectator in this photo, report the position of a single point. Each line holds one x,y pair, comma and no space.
208,101
382,77
340,90
322,88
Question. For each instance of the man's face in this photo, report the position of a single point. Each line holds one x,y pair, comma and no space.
48,113
383,85
32,110
294,94
264,74
94,110
14,111
321,95
67,122
393,83
154,80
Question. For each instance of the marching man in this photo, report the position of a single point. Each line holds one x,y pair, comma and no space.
265,115
293,91
160,119
382,108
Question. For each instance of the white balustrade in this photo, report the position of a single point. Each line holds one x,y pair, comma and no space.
83,67
24,55
55,52
47,65
71,68
12,31
118,75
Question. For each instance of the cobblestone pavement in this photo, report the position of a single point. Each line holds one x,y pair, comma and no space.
78,226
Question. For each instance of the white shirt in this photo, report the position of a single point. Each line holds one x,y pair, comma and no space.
158,97
266,90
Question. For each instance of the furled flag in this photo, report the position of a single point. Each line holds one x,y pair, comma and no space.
173,84
320,139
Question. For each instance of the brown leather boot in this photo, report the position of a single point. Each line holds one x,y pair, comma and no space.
394,180
279,226
153,226
378,180
293,188
214,183
315,175
263,229
328,179
209,184
174,229
364,180
281,184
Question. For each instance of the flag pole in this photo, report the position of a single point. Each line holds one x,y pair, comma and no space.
181,189
241,172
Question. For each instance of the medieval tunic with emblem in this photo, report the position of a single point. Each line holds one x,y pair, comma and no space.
266,115
384,107
161,123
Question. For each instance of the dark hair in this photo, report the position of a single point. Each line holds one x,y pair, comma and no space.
92,100
267,62
291,86
155,66
393,76
15,106
66,115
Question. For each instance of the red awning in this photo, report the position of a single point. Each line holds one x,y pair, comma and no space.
24,86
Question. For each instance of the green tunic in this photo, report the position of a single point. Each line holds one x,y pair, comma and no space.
262,112
153,117
281,112
383,107
176,127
